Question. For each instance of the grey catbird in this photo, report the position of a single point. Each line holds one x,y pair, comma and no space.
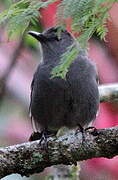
57,102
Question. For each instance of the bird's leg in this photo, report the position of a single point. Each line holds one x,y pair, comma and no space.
82,130
38,135
42,136
35,136
43,140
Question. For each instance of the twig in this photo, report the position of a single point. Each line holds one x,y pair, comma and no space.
108,92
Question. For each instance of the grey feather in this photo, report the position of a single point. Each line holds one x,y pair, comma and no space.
57,102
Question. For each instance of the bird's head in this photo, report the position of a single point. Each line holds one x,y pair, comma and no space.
53,42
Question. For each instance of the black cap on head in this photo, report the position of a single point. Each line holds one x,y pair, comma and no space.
53,33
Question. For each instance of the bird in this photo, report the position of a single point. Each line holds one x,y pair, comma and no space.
56,102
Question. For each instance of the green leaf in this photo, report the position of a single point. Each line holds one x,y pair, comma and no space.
20,14
66,60
87,17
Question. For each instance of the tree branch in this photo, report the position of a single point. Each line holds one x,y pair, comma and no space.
108,92
30,157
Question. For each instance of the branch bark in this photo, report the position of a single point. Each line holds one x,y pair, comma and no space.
30,157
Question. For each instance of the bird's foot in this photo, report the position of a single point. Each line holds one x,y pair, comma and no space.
43,140
79,129
92,130
45,134
42,136
82,130
35,136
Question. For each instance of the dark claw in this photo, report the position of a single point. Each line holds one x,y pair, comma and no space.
92,130
43,141
42,137
80,129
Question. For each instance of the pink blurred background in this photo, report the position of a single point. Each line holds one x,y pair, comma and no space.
15,122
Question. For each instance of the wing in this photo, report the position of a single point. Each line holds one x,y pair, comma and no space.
84,91
31,97
48,103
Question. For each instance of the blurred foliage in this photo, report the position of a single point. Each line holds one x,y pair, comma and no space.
6,3
87,17
21,14
62,172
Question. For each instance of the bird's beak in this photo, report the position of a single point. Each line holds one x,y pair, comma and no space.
36,35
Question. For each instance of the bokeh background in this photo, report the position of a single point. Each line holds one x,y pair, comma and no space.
15,125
